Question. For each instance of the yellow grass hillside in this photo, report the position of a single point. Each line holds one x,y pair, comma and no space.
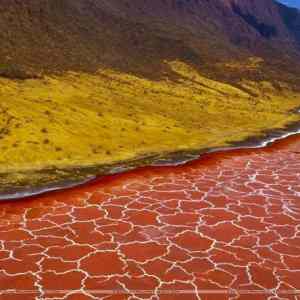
81,120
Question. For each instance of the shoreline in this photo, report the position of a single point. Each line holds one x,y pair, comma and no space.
95,172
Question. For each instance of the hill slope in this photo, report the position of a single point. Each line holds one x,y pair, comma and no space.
39,36
85,84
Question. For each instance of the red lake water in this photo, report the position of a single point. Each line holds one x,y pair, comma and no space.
226,226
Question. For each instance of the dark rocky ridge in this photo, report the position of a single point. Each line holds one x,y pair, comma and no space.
50,36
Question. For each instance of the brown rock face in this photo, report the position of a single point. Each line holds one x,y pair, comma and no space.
49,36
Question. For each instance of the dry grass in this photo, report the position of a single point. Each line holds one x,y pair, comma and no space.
80,119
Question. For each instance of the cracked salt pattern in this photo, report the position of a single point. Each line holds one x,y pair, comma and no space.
213,229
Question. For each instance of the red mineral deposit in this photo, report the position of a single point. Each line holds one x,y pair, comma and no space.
223,227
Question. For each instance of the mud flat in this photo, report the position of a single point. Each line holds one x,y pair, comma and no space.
226,224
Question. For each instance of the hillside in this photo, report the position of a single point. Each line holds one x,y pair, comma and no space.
85,84
51,36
